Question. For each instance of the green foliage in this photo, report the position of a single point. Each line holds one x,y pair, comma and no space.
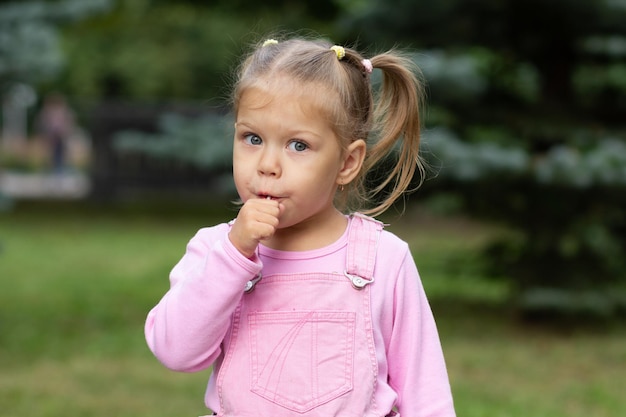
30,49
148,50
203,142
464,162
602,165
150,53
566,210
37,56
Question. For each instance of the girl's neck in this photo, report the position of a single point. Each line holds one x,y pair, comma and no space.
310,234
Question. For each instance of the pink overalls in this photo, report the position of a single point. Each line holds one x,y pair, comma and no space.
302,344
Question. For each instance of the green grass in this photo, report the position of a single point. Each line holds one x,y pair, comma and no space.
76,284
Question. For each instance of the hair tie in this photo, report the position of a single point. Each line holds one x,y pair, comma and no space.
270,42
367,64
339,51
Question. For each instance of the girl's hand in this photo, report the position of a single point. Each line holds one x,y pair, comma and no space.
257,220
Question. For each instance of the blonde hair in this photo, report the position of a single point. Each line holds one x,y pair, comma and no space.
390,117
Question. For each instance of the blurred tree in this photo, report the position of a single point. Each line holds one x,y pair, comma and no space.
532,96
30,49
165,49
549,46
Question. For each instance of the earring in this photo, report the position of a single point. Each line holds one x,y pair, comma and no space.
341,187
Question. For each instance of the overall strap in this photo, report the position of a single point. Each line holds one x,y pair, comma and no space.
363,237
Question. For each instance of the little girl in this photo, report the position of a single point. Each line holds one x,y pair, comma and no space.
303,310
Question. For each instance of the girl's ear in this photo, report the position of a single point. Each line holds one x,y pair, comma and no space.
352,162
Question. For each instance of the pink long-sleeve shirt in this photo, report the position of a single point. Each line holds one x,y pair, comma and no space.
186,329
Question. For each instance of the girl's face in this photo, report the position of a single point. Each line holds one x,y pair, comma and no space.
285,149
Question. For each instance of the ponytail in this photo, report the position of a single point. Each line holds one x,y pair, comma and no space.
396,119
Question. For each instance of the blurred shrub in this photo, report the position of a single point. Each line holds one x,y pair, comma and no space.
566,252
140,52
166,49
30,42
203,142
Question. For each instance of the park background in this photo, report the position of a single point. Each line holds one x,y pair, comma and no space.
519,230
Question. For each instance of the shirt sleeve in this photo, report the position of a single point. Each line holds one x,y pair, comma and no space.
186,328
417,370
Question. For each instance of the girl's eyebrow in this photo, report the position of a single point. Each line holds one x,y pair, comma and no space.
241,124
294,133
248,128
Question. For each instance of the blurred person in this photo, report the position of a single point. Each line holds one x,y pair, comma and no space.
304,305
56,123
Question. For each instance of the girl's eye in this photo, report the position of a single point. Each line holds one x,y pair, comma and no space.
253,139
298,146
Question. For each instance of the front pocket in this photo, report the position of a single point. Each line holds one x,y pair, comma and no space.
301,359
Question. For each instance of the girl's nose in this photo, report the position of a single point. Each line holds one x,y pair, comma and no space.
269,164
